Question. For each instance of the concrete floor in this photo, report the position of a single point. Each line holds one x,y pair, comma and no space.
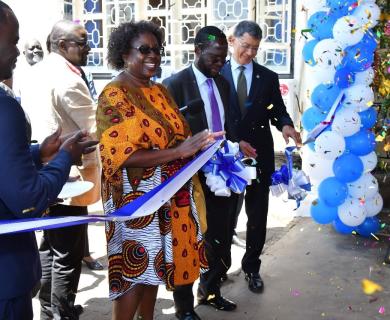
310,272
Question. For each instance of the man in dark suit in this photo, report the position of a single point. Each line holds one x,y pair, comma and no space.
255,102
26,189
203,96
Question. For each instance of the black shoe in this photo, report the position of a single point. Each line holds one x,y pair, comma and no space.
238,242
93,265
219,303
78,309
190,315
255,283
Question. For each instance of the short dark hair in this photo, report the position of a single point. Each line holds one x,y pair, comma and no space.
208,35
122,37
3,8
250,27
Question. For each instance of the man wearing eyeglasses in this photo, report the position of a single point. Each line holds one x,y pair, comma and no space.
64,99
255,102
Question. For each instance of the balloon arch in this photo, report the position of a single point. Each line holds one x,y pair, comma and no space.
339,162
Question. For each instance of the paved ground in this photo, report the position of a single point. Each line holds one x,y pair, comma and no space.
310,273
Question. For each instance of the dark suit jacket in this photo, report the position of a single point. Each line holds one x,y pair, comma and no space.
264,105
184,89
26,190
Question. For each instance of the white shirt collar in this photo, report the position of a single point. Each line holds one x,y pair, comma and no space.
235,65
200,77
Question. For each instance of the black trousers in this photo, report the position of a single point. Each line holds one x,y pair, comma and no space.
17,308
218,238
256,207
61,252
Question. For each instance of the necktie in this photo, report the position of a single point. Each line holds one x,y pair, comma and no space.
215,115
241,89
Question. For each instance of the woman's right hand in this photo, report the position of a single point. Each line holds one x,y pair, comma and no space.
197,142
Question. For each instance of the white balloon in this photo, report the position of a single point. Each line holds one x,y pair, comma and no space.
352,212
365,77
328,54
369,161
364,187
374,205
358,97
348,31
371,184
368,14
346,122
357,189
329,145
315,167
316,75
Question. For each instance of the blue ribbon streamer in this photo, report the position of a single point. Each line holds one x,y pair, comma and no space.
226,164
296,183
142,206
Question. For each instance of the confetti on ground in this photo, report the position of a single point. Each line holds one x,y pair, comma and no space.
369,287
295,293
270,106
373,299
382,310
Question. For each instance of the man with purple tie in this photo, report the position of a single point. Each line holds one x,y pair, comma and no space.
203,96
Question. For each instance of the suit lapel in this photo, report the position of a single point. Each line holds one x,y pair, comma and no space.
227,74
256,85
222,90
193,85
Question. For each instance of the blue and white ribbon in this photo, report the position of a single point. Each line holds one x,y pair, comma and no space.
296,182
142,206
225,171
313,134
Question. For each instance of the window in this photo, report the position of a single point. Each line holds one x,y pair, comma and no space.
68,9
181,19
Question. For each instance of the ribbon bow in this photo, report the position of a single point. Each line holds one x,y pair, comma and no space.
296,182
226,172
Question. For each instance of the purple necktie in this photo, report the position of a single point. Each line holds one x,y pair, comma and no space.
215,115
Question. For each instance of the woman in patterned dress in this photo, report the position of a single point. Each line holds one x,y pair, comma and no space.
143,141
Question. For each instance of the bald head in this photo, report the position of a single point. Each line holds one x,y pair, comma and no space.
70,40
4,11
63,30
33,51
9,36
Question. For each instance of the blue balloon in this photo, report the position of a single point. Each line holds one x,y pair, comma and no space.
368,118
369,41
321,25
340,7
332,191
361,143
344,78
324,95
321,213
348,167
370,225
341,227
358,57
307,52
312,117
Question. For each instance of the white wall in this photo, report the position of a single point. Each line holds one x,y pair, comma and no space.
36,18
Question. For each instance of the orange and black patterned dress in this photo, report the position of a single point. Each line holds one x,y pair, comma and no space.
166,246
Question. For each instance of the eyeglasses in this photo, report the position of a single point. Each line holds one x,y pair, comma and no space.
147,50
81,43
247,46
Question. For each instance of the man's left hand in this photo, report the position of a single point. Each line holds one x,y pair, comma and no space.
290,132
49,147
